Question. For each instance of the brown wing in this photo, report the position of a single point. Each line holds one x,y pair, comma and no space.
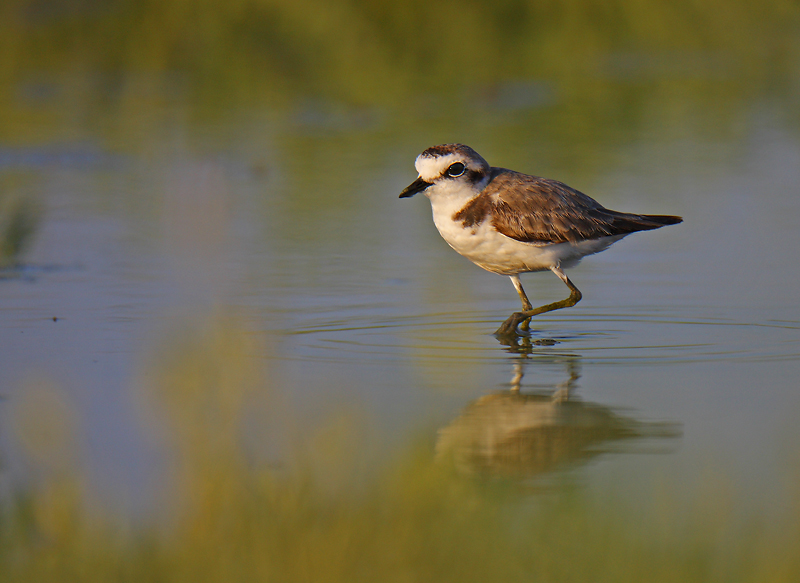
539,210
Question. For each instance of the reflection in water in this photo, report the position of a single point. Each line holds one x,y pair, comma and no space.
515,434
19,217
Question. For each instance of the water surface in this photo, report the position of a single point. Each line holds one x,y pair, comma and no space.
166,202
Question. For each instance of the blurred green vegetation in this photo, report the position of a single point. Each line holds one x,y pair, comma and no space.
363,51
221,55
320,517
347,86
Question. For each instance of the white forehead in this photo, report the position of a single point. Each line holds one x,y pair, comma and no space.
431,167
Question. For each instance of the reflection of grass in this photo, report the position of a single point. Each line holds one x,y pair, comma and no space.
18,220
414,520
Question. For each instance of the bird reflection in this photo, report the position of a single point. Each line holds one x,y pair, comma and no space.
517,434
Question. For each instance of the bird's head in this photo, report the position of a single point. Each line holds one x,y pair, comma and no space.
449,168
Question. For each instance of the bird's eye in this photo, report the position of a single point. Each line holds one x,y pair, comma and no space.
456,169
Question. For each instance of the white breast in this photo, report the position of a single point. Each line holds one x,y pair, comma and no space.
495,252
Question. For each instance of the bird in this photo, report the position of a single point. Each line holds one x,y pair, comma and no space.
511,223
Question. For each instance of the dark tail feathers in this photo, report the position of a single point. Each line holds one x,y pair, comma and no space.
662,220
630,223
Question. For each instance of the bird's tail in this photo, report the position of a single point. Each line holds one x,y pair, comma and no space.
662,220
630,223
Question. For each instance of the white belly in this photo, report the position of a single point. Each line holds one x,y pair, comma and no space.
495,252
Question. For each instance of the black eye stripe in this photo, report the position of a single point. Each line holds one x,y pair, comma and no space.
456,169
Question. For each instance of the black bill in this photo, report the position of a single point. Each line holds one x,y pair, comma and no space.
417,186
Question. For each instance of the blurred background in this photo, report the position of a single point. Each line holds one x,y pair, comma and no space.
228,351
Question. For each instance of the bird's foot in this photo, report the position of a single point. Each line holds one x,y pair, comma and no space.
508,329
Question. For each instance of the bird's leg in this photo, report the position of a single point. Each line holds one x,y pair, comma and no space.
509,327
526,304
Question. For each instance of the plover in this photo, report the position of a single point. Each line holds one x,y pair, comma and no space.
510,223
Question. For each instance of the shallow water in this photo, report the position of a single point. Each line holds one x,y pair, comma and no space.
694,326
288,221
